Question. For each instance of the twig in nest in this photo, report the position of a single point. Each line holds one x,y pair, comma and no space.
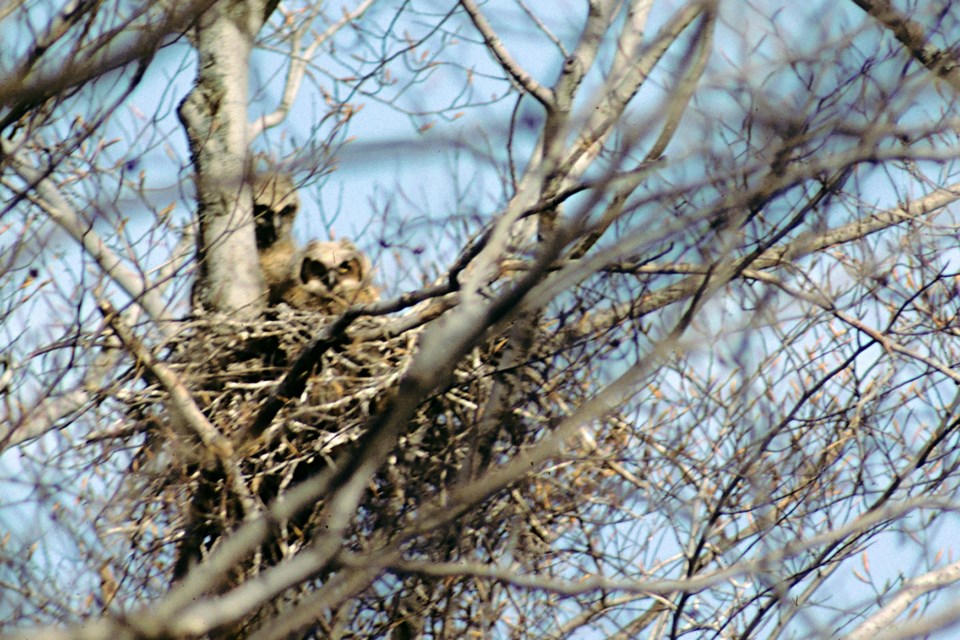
182,402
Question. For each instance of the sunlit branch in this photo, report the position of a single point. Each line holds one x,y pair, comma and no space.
60,211
681,95
631,36
621,86
527,82
20,90
298,64
943,63
880,625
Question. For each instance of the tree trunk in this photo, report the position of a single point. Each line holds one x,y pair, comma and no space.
214,115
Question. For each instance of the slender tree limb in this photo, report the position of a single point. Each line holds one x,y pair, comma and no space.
813,242
58,208
23,89
33,422
667,587
183,406
943,63
880,626
496,47
681,95
49,411
389,557
620,87
297,68
827,305
543,28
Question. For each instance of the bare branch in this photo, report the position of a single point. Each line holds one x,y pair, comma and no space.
943,63
543,95
297,68
823,302
814,241
622,85
60,211
183,406
881,624
24,88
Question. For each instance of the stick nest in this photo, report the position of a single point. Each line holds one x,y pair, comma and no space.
232,368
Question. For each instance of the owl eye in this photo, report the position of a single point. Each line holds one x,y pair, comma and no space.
312,270
349,267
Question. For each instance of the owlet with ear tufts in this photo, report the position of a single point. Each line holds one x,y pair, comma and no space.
275,206
329,277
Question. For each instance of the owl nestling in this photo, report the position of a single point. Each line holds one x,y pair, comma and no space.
275,207
329,277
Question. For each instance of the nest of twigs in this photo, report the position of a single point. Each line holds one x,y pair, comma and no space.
233,370
235,367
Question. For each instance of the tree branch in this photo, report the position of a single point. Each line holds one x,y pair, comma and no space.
881,624
56,206
24,88
297,68
184,407
527,82
813,242
620,88
943,63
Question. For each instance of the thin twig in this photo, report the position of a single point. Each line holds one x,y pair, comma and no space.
495,45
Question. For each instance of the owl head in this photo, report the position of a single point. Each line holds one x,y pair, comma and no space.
275,206
330,276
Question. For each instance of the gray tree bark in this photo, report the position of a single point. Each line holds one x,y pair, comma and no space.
214,115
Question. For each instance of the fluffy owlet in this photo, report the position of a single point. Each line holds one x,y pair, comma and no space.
329,277
275,206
